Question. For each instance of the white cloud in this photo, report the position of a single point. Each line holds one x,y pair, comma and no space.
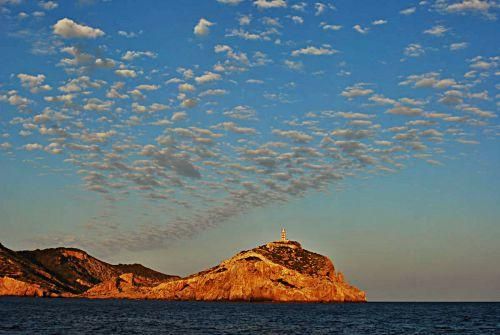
127,34
231,126
213,92
405,110
269,3
189,103
131,55
458,46
334,27
293,65
147,87
356,91
244,20
207,77
185,87
428,80
438,30
126,73
414,50
48,5
33,146
297,19
320,8
179,116
295,135
470,5
68,28
360,29
34,83
408,11
379,22
203,27
315,51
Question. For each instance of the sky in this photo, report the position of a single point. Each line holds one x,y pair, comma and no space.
177,133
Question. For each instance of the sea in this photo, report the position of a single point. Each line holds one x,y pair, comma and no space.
82,316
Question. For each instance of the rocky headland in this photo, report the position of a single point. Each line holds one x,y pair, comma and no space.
277,271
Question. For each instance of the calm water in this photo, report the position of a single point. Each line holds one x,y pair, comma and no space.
78,316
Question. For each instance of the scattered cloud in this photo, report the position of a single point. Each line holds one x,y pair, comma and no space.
360,29
438,30
265,4
203,27
68,28
408,11
324,50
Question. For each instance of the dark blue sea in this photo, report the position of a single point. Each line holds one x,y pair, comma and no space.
80,316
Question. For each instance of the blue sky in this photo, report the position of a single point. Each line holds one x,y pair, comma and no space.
176,133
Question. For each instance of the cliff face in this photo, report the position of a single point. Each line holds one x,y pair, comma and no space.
63,272
19,276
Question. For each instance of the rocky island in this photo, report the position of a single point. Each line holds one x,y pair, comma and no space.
280,271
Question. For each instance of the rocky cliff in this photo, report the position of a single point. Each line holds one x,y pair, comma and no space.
277,271
63,272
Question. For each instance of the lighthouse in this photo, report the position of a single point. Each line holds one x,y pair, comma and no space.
283,235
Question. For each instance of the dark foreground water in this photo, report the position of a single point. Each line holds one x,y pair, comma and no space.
79,316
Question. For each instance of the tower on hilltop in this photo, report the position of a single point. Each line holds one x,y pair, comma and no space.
283,235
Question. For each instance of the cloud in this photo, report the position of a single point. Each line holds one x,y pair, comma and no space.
356,91
381,100
315,51
179,116
264,4
48,5
126,73
213,92
233,127
131,55
297,19
297,66
14,99
428,80
360,30
379,22
297,136
414,50
203,27
458,46
334,27
408,11
33,146
189,103
405,110
438,30
129,34
481,6
34,83
68,28
185,87
207,77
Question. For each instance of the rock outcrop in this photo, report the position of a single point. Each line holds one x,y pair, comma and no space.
11,286
63,272
277,271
